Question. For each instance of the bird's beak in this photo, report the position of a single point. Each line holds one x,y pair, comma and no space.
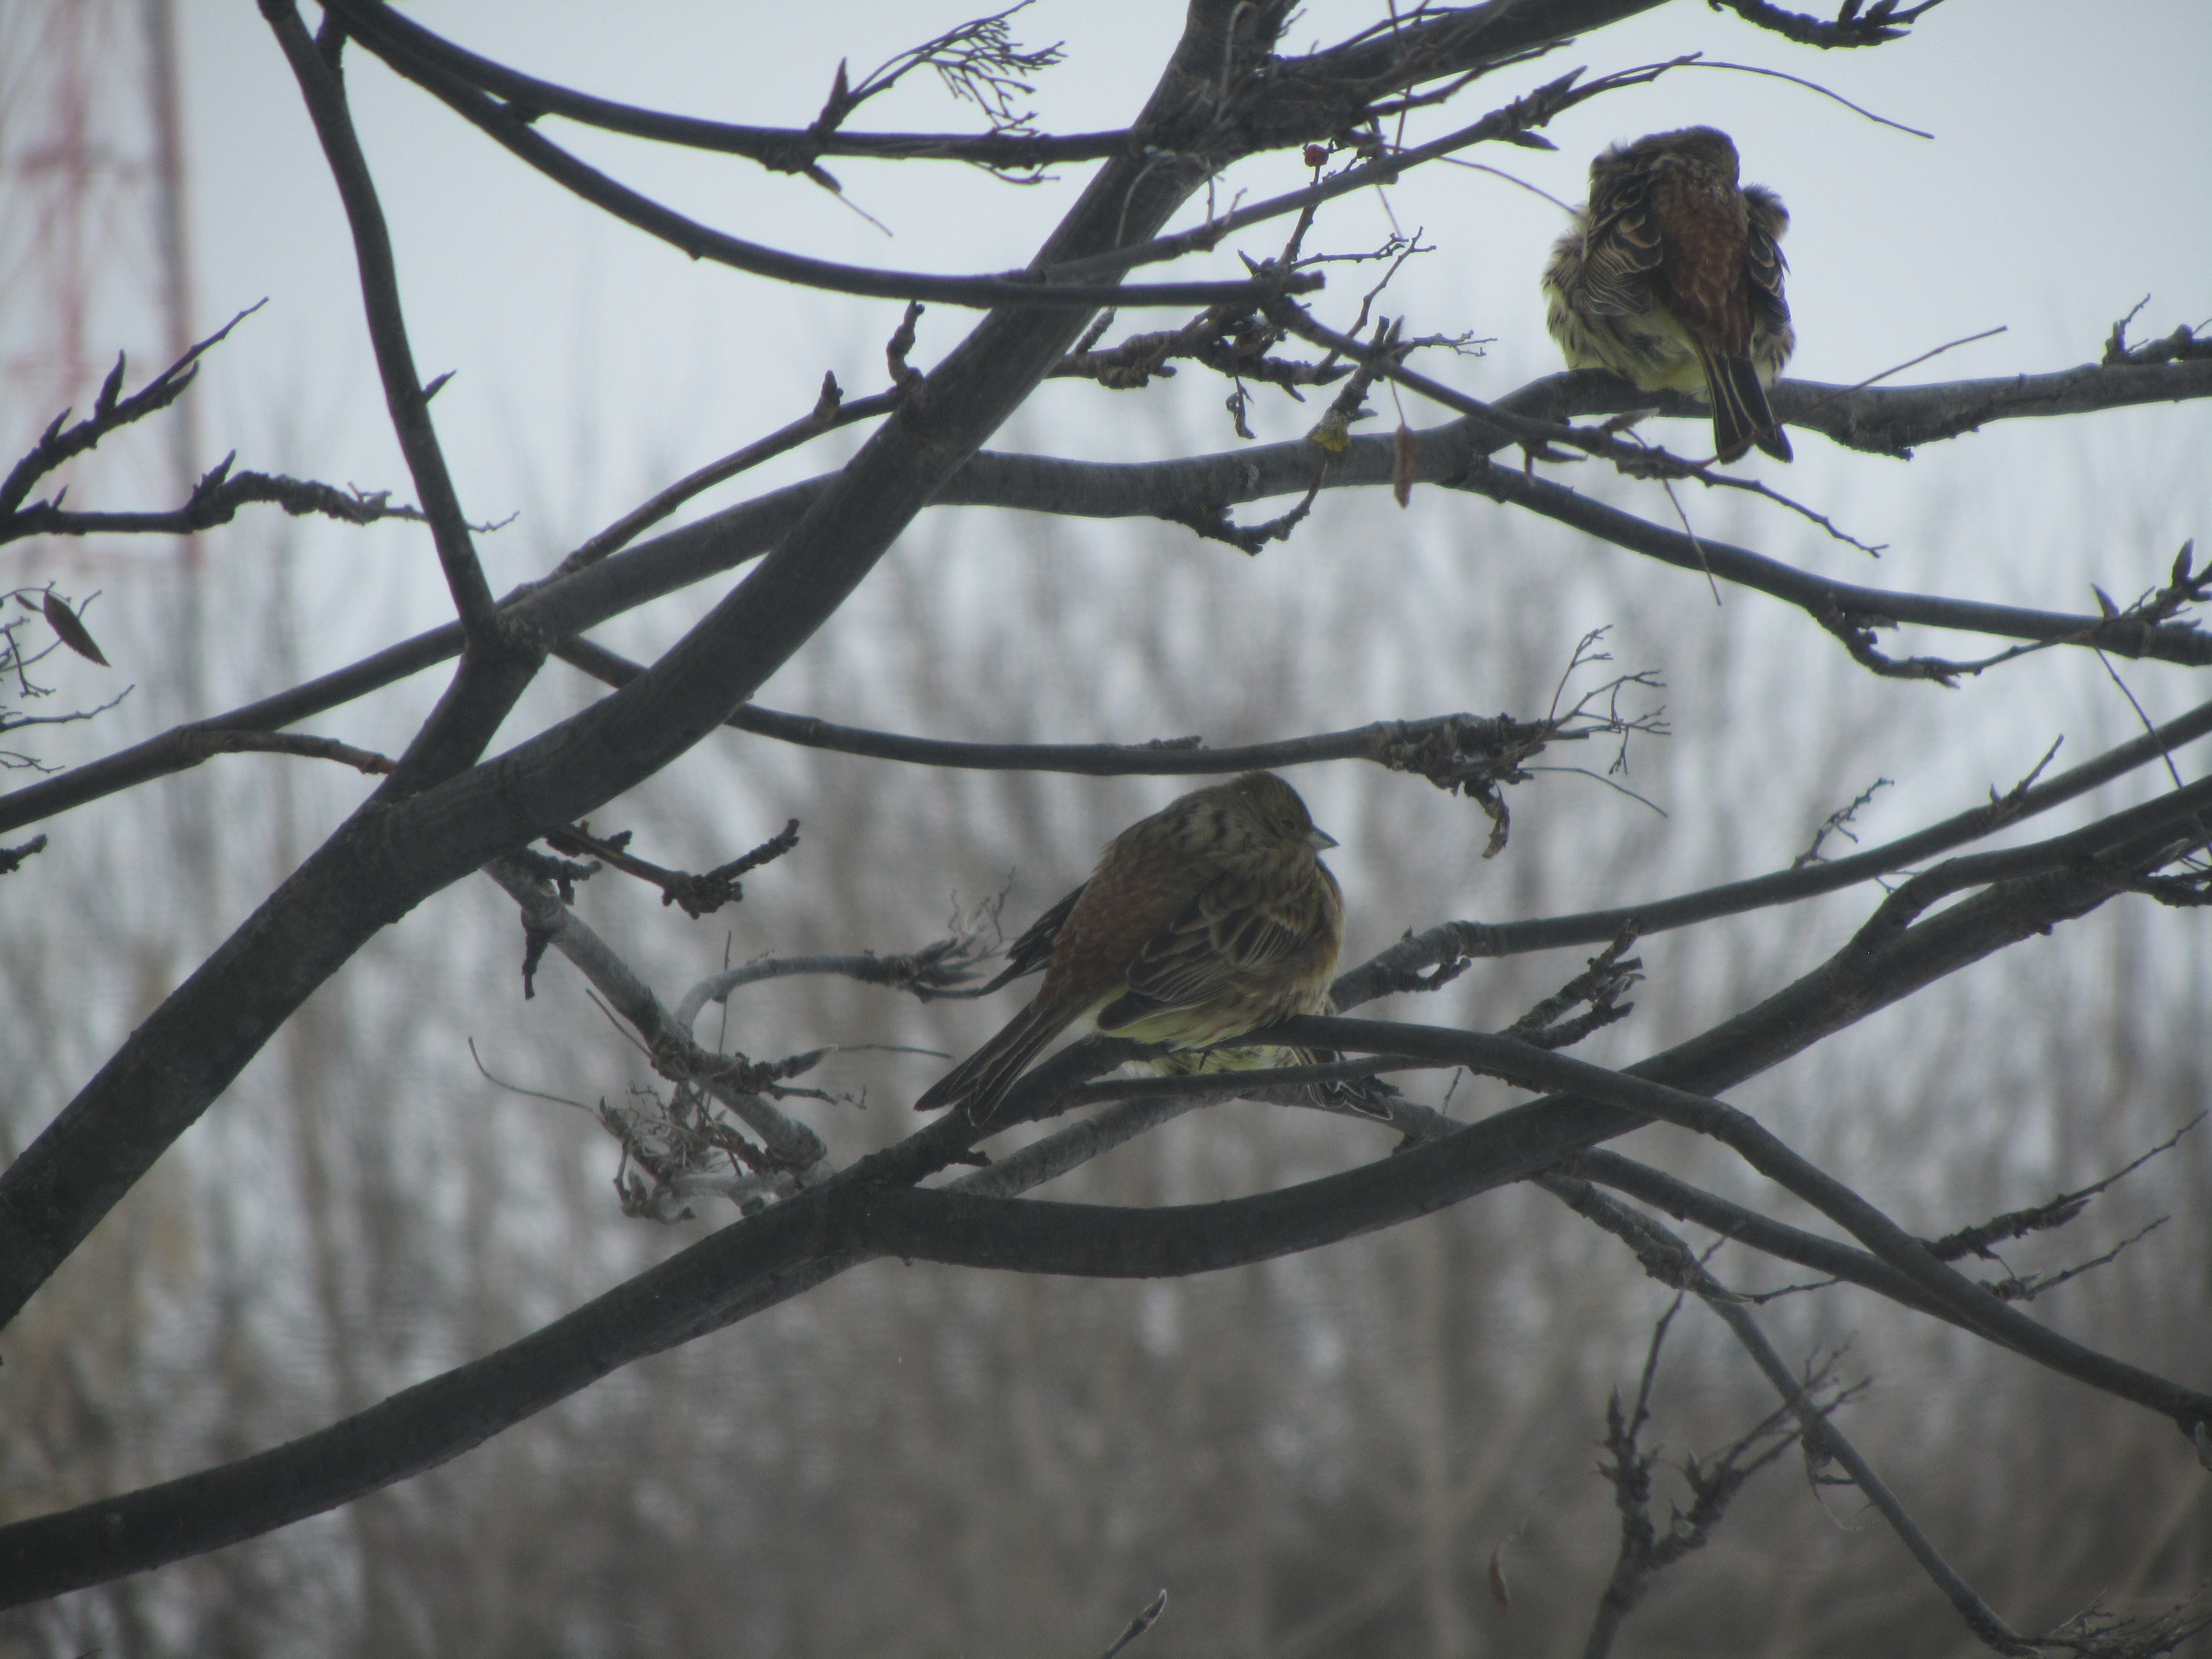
1320,839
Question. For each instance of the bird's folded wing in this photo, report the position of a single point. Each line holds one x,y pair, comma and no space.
1234,938
1764,220
1032,953
1621,251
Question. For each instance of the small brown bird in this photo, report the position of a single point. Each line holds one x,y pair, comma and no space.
1672,278
1212,917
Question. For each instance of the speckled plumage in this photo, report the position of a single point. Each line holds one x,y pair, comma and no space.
1212,917
1672,278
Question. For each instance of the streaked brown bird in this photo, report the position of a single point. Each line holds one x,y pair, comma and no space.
1210,918
1672,278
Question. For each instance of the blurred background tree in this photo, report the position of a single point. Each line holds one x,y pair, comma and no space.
1345,1451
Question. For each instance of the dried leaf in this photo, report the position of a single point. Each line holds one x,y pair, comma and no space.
72,632
1404,458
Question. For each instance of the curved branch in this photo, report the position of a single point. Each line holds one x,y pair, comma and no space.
387,328
381,27
1822,598
1031,1236
214,501
1443,748
511,128
789,1248
1316,96
1399,967
1162,489
401,847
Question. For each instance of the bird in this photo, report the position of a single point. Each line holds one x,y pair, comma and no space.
1671,278
1213,917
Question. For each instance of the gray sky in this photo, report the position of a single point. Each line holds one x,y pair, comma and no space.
592,365
2058,190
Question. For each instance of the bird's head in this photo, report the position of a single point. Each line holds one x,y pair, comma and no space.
1705,148
1280,812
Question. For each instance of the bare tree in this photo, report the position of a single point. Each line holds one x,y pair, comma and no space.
729,1127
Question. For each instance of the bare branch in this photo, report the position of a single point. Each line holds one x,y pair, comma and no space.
791,1248
1404,965
1092,489
1884,20
1670,1260
214,501
737,1082
2052,1212
511,128
698,895
110,413
410,405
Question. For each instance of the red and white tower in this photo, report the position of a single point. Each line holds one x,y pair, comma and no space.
93,254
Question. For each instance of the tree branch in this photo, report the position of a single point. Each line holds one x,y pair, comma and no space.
396,851
387,328
110,412
866,1210
214,501
1165,489
1404,965
510,127
1668,1259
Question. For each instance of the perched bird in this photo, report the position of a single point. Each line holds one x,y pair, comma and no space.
1672,278
1210,918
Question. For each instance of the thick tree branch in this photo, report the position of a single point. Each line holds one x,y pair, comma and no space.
1165,489
1032,1237
396,852
869,1209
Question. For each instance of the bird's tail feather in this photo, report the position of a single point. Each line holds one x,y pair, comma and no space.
980,1081
1741,416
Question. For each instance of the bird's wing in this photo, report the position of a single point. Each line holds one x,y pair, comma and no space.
1236,929
1765,219
1622,246
1032,953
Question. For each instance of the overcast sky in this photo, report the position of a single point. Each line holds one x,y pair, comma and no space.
2063,182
